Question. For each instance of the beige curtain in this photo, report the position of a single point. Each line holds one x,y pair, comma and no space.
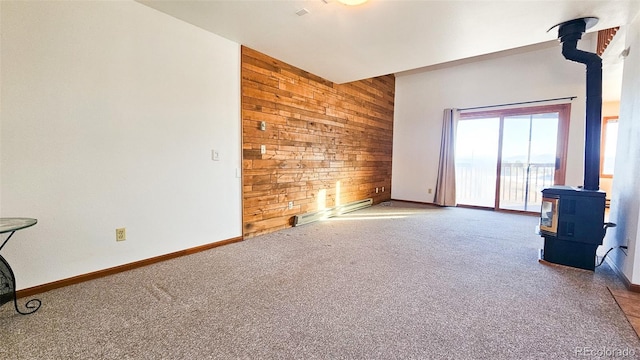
446,184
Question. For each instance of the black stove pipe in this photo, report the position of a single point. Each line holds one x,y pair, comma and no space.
569,33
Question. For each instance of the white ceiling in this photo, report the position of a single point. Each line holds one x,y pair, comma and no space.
342,43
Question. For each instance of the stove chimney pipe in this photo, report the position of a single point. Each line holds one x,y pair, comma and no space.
569,33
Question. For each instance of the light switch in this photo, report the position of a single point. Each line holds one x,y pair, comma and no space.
263,149
215,155
263,125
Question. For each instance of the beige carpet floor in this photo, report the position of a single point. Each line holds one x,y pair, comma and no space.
401,281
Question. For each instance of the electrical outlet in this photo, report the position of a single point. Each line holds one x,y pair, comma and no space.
383,189
376,190
215,155
429,191
290,206
121,234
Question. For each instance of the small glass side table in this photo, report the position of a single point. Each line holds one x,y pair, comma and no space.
7,278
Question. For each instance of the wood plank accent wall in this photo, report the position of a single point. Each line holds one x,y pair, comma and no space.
325,143
604,39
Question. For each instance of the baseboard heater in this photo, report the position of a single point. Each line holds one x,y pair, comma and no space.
334,211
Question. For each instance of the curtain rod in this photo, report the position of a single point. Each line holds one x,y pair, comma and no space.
518,103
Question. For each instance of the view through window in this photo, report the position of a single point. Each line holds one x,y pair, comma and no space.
609,141
505,158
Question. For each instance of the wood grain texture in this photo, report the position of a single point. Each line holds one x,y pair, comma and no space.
604,39
629,303
326,144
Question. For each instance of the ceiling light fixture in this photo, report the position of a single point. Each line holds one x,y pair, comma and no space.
352,2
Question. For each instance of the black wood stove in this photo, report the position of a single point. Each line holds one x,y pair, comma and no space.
572,224
572,218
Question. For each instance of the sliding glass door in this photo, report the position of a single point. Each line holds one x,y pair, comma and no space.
476,157
505,158
528,160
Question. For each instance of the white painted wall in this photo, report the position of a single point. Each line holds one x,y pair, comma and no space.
625,201
110,111
421,98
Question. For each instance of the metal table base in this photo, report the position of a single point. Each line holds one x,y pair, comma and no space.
7,278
